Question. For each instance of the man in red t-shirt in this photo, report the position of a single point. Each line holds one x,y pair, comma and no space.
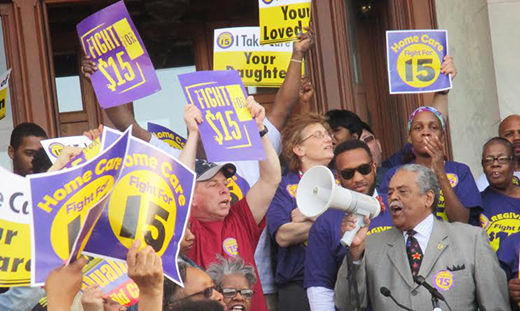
222,229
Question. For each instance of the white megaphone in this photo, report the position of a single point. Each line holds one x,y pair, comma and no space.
318,191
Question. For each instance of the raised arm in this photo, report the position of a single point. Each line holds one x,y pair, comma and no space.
145,268
121,116
288,94
260,195
63,284
192,118
440,99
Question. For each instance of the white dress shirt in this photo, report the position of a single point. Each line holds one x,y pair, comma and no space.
423,232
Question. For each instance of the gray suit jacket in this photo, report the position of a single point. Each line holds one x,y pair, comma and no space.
458,259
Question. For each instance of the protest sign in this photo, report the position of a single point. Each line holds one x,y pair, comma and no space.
165,134
66,205
112,278
108,137
4,85
125,71
239,49
54,146
228,132
15,232
150,202
89,152
237,185
414,60
282,20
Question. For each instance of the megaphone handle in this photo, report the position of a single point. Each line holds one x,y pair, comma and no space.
347,238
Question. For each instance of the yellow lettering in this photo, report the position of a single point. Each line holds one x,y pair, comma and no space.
46,206
133,290
109,273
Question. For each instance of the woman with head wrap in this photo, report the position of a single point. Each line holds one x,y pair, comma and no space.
459,196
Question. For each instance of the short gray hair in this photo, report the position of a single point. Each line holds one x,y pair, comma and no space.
231,266
426,180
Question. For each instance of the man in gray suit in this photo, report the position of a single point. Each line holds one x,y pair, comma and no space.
458,260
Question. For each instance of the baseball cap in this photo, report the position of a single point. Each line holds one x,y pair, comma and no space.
206,170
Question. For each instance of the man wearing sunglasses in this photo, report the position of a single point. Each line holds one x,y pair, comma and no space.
356,171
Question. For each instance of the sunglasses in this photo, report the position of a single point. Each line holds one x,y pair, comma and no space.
232,292
207,293
487,161
364,169
368,139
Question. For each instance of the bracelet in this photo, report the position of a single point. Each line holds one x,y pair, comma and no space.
264,131
296,60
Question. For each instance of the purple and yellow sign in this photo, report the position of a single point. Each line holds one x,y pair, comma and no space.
125,71
112,278
414,61
150,202
228,132
168,136
67,204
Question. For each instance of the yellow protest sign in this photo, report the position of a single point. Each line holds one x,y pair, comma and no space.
239,49
15,232
4,83
283,20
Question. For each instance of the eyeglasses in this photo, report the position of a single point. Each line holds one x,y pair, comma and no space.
487,161
207,293
364,169
232,292
368,139
318,135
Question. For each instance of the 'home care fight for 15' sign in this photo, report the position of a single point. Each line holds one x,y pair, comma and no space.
414,61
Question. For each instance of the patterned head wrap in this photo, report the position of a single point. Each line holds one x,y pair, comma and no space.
430,109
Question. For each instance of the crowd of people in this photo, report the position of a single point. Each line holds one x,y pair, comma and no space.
439,231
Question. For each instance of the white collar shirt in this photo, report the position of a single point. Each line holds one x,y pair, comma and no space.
423,232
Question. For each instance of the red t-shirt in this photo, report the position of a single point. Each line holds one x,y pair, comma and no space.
236,235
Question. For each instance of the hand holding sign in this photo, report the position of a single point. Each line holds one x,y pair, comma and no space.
192,118
117,61
63,284
448,67
228,131
303,44
257,112
145,268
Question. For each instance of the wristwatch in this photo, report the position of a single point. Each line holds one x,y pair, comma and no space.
264,131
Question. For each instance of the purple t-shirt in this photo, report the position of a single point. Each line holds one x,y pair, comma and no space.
325,252
461,181
500,216
290,260
508,255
